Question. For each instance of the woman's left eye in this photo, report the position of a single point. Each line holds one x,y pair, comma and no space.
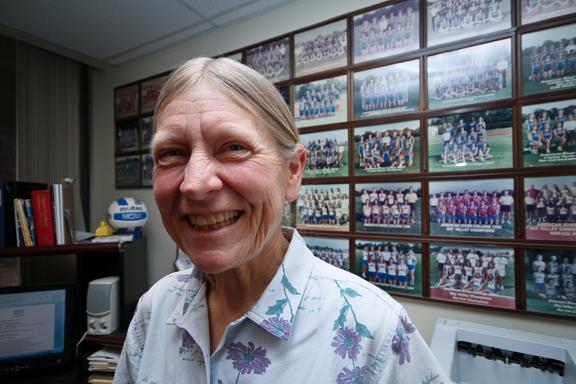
236,147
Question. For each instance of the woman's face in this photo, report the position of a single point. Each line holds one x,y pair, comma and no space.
219,181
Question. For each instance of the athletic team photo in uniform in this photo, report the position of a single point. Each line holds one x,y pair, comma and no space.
393,266
323,207
477,74
550,208
271,60
332,251
481,208
549,60
450,20
537,10
473,275
549,134
550,277
327,153
389,207
387,148
387,90
321,102
470,141
321,49
387,31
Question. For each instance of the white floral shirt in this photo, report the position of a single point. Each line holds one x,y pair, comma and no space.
314,324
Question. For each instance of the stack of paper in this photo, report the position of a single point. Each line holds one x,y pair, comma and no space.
102,364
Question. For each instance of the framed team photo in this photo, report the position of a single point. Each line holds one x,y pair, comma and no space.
128,171
389,207
450,21
537,10
388,90
271,60
327,153
393,266
126,101
321,102
470,141
287,215
483,208
285,93
549,134
387,31
473,275
127,137
150,90
147,170
549,60
323,207
472,75
146,132
332,251
321,49
387,148
550,277
550,208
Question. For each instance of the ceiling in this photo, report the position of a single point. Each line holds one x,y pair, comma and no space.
113,32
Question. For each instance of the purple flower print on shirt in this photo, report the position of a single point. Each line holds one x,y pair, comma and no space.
354,376
247,358
401,339
278,326
347,342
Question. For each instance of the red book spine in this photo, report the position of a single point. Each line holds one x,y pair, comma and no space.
42,207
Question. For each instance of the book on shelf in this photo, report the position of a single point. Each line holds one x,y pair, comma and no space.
23,223
43,218
63,202
10,190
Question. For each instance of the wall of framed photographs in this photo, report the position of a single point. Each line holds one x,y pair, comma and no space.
441,141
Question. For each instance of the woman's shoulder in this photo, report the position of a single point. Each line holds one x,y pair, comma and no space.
169,289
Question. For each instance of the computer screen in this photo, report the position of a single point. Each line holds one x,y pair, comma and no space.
35,328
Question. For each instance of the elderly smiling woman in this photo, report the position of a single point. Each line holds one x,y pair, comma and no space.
258,307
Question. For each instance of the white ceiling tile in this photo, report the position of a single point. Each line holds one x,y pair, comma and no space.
160,44
254,8
215,7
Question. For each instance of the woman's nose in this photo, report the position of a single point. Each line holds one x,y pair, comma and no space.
200,177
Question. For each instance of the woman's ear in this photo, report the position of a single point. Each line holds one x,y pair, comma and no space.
295,171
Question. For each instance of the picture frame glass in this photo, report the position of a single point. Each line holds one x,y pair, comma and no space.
388,207
127,136
387,148
550,208
327,153
474,275
147,170
396,267
537,10
478,74
126,101
323,207
549,134
128,170
333,251
321,102
271,60
386,31
471,141
549,60
388,90
150,91
478,207
549,281
321,49
449,21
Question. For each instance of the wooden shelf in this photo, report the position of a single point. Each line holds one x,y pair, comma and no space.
60,249
115,340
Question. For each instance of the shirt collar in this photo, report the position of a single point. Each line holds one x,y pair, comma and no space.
276,308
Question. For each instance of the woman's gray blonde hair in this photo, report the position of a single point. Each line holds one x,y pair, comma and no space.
243,84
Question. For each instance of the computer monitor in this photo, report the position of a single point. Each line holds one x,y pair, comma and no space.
36,328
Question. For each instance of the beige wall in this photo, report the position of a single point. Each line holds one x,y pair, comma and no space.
161,249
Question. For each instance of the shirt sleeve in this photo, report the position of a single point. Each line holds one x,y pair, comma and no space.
129,362
411,360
